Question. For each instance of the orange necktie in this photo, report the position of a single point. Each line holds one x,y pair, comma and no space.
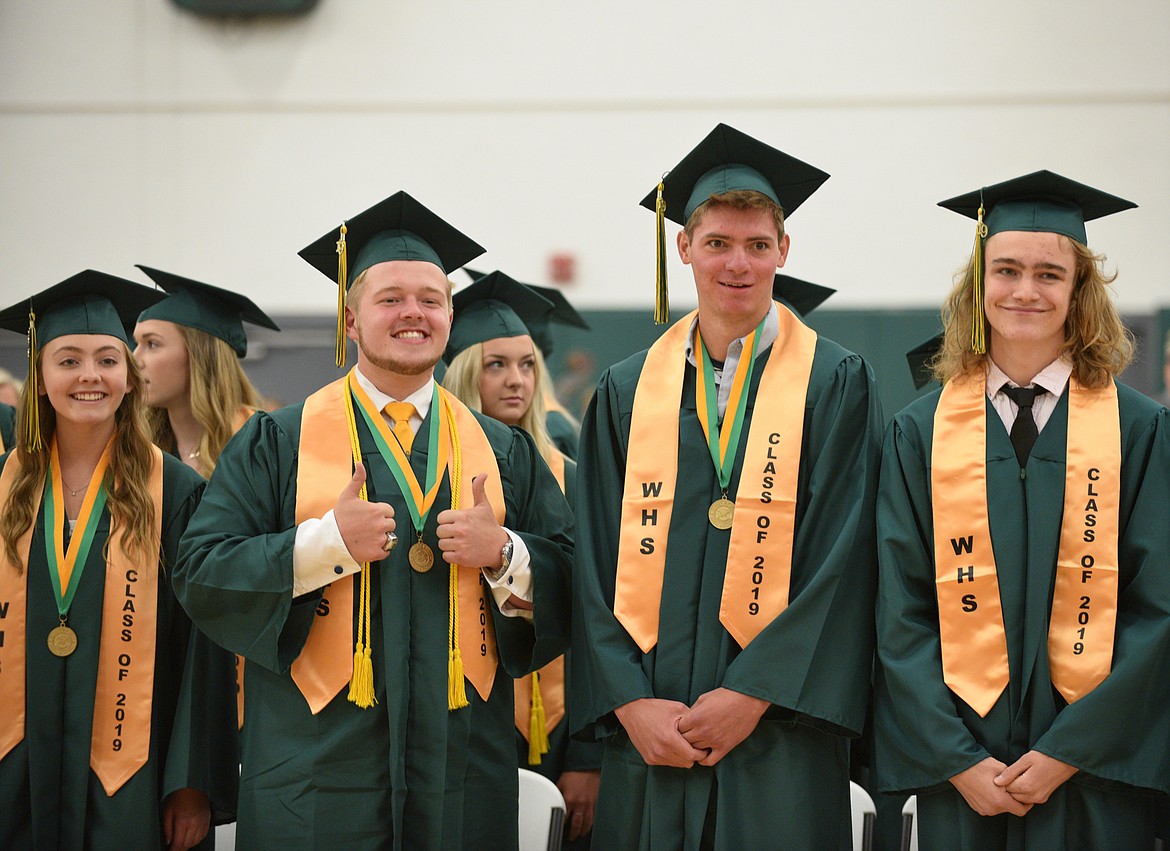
401,412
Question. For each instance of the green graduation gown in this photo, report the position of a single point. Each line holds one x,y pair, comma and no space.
564,435
786,785
564,752
52,799
1118,735
406,773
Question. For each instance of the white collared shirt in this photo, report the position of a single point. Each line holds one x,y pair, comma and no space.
1053,378
321,557
768,335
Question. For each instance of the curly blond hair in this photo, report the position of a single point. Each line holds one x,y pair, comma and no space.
1096,342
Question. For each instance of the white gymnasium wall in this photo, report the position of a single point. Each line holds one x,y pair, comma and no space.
131,131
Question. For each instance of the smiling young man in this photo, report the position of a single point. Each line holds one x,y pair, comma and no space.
726,585
383,537
1024,574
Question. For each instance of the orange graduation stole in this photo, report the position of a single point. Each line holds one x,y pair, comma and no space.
120,741
325,465
1084,603
759,555
540,697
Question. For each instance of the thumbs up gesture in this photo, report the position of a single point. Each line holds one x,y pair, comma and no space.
363,525
471,537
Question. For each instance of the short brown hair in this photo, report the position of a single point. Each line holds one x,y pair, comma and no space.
738,199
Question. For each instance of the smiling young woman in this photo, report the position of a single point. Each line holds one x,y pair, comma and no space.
131,741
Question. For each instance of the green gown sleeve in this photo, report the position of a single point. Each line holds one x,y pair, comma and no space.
916,723
537,512
235,570
203,752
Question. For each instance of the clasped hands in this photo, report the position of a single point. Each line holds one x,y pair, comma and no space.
670,733
991,787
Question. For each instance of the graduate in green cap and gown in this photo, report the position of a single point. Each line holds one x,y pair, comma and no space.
725,574
1024,592
494,366
384,558
562,427
189,348
113,729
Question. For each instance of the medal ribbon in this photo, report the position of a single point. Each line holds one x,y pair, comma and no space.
724,442
439,452
65,567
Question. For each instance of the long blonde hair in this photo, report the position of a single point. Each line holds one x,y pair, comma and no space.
127,477
1096,342
219,390
462,379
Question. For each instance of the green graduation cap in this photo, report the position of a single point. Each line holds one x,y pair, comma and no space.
493,306
725,160
1040,202
89,302
397,228
539,327
218,312
802,296
919,359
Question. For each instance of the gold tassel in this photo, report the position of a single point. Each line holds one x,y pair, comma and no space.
537,728
661,293
978,324
342,280
32,410
456,687
361,682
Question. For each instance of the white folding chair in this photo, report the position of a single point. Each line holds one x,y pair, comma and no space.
225,837
542,813
910,824
864,815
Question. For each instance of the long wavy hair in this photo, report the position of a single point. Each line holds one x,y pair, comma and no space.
127,477
462,379
1096,342
219,391
545,389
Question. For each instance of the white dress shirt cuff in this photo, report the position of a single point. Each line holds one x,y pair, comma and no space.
320,555
517,579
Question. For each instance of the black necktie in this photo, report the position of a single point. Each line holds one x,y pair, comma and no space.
1024,430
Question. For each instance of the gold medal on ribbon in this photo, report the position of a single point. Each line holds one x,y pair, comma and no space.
422,557
721,513
62,641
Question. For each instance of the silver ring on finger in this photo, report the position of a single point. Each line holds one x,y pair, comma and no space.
391,541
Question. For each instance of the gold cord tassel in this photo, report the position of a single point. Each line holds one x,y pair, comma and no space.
32,408
661,294
361,681
342,280
537,729
978,324
456,687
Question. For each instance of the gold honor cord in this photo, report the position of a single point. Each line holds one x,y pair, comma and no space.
456,690
361,683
